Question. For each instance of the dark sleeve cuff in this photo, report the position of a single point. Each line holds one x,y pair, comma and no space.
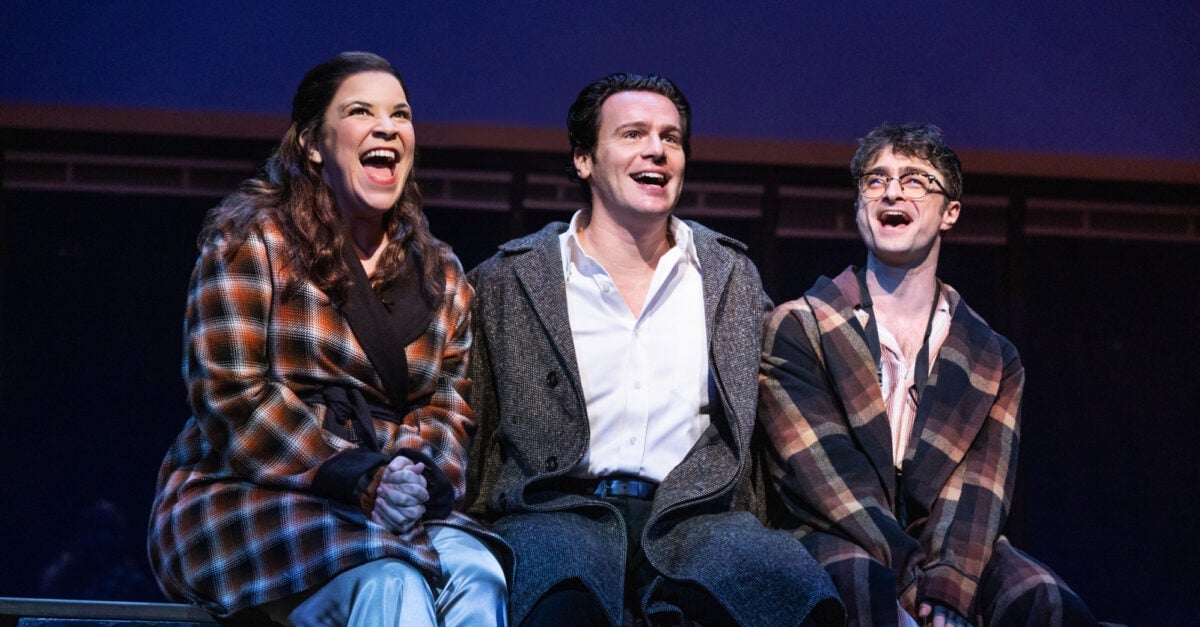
950,587
338,477
441,491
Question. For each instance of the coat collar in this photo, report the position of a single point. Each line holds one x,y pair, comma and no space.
537,265
538,268
851,371
956,399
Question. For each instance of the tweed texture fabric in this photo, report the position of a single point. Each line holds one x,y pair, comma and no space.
255,498
533,427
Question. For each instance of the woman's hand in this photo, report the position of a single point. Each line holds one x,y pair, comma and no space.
400,499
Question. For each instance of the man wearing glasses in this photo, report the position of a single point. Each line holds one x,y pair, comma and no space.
894,413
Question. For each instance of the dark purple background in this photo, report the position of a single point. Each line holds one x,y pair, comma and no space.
90,393
1100,78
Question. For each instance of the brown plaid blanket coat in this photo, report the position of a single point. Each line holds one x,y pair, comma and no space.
255,498
823,409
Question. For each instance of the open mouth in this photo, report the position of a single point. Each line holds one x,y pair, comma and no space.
380,165
895,218
651,178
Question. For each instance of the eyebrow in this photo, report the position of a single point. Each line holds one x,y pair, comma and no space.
905,170
642,124
353,103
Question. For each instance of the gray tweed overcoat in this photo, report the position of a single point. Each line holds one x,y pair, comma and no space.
533,428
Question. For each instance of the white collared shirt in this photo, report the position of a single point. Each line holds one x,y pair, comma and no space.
644,379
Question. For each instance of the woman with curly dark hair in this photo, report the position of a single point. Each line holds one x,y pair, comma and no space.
325,344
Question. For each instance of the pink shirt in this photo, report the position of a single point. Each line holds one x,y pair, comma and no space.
899,376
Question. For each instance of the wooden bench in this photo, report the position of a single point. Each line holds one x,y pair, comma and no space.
22,612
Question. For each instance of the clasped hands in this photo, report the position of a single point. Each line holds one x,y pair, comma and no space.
401,496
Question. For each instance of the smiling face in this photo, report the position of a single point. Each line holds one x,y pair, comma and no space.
898,231
635,172
365,145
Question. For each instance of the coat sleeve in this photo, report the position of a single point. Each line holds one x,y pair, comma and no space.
825,482
258,427
970,510
444,420
484,463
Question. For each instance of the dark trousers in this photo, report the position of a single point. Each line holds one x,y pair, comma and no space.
650,598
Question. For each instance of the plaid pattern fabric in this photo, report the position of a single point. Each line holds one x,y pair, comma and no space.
822,407
236,522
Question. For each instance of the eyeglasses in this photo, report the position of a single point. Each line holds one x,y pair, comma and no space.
913,185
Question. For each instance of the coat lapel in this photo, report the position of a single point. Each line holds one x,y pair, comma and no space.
540,275
715,269
714,272
852,372
955,404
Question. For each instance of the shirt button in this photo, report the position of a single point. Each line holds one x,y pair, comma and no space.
633,441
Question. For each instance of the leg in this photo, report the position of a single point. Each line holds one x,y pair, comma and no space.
1018,590
866,585
474,591
384,592
680,603
569,603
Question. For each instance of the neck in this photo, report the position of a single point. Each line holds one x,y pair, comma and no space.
366,235
369,240
625,246
901,291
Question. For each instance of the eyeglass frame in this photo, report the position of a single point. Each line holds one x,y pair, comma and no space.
887,181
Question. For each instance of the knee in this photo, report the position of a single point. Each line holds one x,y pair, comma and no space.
482,575
1053,602
1039,598
568,603
396,571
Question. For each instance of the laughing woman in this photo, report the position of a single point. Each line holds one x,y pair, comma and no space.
325,340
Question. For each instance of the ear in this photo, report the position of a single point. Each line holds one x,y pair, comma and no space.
314,155
583,164
950,215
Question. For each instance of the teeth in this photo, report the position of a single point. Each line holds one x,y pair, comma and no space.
650,177
380,154
894,218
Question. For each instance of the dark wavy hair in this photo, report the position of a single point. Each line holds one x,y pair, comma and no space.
290,191
923,141
583,120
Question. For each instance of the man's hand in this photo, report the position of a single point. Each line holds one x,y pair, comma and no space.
400,500
942,616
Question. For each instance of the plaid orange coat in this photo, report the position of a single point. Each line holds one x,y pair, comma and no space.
256,497
823,409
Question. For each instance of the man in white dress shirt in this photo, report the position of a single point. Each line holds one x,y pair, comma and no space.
615,379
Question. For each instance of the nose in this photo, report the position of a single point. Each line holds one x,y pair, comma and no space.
893,191
654,149
385,125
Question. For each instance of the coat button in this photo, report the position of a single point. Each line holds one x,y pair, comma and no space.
551,463
552,379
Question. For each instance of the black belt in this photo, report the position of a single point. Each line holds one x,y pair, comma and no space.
614,486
